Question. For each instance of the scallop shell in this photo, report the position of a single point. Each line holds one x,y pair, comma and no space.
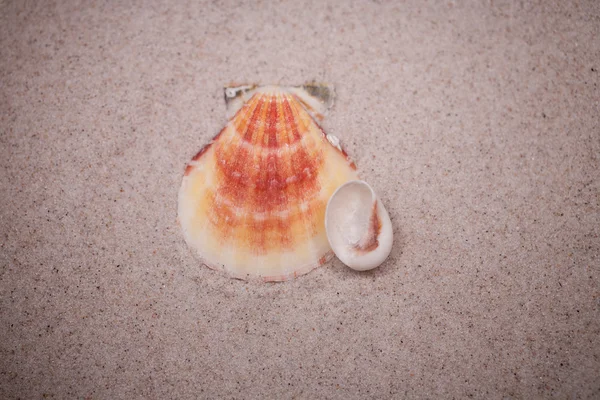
252,201
358,226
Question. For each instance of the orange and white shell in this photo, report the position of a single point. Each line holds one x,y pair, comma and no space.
252,202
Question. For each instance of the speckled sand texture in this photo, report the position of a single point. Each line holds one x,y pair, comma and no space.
477,123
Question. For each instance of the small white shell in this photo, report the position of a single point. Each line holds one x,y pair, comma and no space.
358,227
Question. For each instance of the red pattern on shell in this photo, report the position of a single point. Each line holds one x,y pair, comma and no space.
267,168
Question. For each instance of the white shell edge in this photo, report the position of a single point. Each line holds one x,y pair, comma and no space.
366,260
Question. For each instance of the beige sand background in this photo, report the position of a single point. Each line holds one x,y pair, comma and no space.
476,122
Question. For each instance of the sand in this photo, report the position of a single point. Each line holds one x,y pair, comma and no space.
477,123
